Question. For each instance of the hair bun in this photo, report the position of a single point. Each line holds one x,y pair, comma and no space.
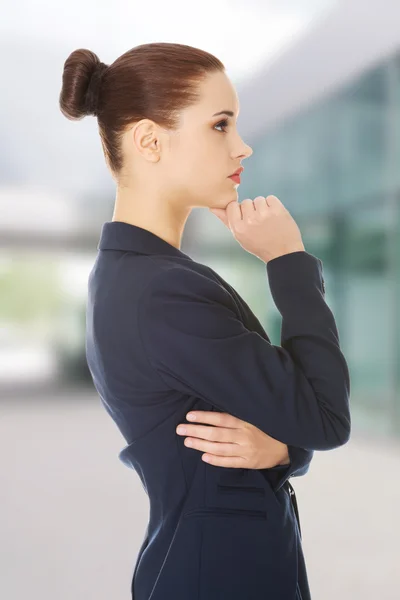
93,91
82,77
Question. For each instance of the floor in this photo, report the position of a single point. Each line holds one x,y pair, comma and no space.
66,501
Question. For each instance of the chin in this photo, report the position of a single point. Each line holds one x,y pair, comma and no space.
233,196
224,200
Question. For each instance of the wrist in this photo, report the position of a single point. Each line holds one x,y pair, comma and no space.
267,259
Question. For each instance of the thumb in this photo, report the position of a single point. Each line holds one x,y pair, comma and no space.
221,214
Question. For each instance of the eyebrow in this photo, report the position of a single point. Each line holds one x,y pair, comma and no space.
224,112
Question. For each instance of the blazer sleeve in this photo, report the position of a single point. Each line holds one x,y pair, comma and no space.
299,458
299,465
194,338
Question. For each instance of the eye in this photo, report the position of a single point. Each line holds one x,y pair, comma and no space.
223,123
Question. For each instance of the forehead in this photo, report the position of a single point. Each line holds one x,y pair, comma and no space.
217,93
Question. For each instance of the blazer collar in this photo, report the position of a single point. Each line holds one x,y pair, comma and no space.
118,235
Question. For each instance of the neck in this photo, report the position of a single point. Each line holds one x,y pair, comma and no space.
158,217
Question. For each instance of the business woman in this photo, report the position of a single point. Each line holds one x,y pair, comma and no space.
168,336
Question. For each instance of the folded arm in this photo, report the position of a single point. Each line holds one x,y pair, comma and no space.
297,393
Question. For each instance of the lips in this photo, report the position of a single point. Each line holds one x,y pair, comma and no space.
235,178
237,172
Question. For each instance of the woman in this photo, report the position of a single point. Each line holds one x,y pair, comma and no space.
167,335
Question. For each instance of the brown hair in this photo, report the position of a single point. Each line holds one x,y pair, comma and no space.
154,81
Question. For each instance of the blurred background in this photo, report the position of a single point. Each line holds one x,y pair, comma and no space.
319,89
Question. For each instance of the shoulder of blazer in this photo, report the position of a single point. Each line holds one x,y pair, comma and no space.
192,283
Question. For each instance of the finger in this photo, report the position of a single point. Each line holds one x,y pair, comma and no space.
248,209
216,448
269,200
233,212
261,205
221,214
273,201
214,434
234,462
216,418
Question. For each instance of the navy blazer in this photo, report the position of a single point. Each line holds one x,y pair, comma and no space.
166,334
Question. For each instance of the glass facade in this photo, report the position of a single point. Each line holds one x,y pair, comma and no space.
336,167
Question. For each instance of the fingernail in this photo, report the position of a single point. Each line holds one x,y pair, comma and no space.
191,416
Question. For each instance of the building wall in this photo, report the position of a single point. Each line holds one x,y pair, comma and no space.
336,167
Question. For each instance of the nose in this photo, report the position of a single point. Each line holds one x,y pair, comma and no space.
248,151
245,148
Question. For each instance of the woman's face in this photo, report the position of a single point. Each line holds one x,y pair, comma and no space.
206,148
190,166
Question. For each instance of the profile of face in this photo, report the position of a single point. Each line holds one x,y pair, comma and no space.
190,166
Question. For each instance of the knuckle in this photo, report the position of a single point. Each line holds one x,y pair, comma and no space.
248,434
221,418
238,226
212,434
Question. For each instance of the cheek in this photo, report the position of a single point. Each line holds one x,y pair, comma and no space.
200,166
196,168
